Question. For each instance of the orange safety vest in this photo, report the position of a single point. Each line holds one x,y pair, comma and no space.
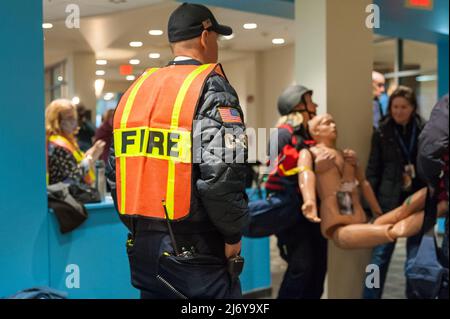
153,140
61,141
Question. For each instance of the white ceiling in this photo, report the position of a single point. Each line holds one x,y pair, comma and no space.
107,28
55,9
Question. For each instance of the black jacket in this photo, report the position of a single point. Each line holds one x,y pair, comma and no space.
218,201
387,161
433,144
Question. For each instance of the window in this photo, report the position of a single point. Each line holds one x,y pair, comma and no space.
55,82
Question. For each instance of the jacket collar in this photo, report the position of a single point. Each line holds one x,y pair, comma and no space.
184,61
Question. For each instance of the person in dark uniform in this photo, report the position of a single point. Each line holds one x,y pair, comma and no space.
300,242
433,159
204,191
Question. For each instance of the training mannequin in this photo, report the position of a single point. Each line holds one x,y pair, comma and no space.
339,179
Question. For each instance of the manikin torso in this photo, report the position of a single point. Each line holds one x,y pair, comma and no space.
334,176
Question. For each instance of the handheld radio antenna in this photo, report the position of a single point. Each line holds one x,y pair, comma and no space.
169,226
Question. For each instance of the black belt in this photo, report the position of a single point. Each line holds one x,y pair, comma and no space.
183,227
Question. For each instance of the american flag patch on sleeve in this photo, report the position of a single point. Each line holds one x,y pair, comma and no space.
230,115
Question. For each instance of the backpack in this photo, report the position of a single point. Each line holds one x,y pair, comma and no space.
39,293
426,275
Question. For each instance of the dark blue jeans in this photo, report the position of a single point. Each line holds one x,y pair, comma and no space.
381,256
305,251
144,265
445,245
300,242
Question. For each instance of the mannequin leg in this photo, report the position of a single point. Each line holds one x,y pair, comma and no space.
414,203
362,236
410,225
407,227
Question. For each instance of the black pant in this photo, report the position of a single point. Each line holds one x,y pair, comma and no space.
144,257
305,250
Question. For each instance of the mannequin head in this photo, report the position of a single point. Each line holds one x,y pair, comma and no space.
323,129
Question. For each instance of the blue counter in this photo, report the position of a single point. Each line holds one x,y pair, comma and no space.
95,252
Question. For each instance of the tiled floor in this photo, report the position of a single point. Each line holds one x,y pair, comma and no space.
395,282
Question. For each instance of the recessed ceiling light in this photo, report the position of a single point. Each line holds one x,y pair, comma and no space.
155,32
426,78
130,77
76,100
60,78
108,96
136,44
47,25
102,62
99,84
278,41
100,72
228,37
250,26
134,61
154,55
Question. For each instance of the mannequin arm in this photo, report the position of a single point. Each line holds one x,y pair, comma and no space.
307,182
366,188
368,193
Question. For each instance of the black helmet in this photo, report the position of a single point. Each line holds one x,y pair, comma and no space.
290,98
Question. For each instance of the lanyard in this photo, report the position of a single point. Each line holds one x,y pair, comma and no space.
407,152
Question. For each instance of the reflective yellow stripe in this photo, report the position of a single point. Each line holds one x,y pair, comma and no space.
170,194
154,143
290,172
123,162
77,154
123,124
294,171
132,96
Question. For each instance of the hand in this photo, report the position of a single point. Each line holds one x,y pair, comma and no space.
324,161
350,157
232,250
309,210
95,151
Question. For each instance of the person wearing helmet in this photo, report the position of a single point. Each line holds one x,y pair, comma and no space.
299,240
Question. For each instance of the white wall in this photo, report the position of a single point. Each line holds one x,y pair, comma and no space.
277,73
263,75
259,78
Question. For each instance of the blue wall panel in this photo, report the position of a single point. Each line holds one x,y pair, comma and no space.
443,67
23,201
421,25
97,250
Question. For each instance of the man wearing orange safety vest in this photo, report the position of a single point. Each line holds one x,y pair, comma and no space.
177,168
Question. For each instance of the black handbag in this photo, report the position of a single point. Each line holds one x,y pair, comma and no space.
84,193
68,211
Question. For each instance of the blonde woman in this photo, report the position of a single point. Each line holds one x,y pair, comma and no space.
65,161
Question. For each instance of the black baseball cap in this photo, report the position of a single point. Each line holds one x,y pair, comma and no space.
291,97
189,20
